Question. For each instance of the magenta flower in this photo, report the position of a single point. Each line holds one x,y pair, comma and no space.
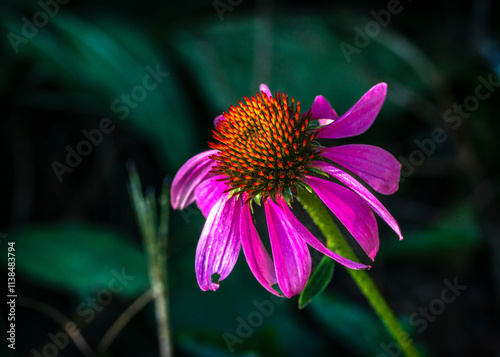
264,150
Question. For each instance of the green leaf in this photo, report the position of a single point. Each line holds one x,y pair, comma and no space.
355,327
318,281
81,258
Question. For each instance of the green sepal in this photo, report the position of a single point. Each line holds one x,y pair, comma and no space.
288,195
319,172
258,198
233,192
305,186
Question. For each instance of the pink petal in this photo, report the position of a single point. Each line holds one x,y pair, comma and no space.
359,118
313,241
208,193
351,210
354,185
376,166
257,257
322,111
217,119
219,243
264,88
190,175
292,260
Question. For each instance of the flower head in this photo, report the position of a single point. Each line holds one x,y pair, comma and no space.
264,150
264,146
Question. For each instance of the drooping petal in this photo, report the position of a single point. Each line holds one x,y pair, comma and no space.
257,257
217,119
190,175
219,243
376,166
264,88
292,260
351,210
359,118
313,241
208,193
354,185
322,111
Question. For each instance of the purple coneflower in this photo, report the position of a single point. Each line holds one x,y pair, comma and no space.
264,150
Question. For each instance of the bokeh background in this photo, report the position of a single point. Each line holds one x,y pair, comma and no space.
78,68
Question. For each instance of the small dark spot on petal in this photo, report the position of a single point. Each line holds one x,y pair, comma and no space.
215,278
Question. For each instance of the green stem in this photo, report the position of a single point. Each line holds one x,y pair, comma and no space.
337,243
154,235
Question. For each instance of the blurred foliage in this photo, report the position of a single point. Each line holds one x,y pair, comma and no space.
80,67
95,64
77,257
358,324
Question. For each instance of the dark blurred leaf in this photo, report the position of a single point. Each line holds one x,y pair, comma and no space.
353,326
80,257
457,230
318,282
102,68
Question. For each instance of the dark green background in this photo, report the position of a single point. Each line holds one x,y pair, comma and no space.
71,235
